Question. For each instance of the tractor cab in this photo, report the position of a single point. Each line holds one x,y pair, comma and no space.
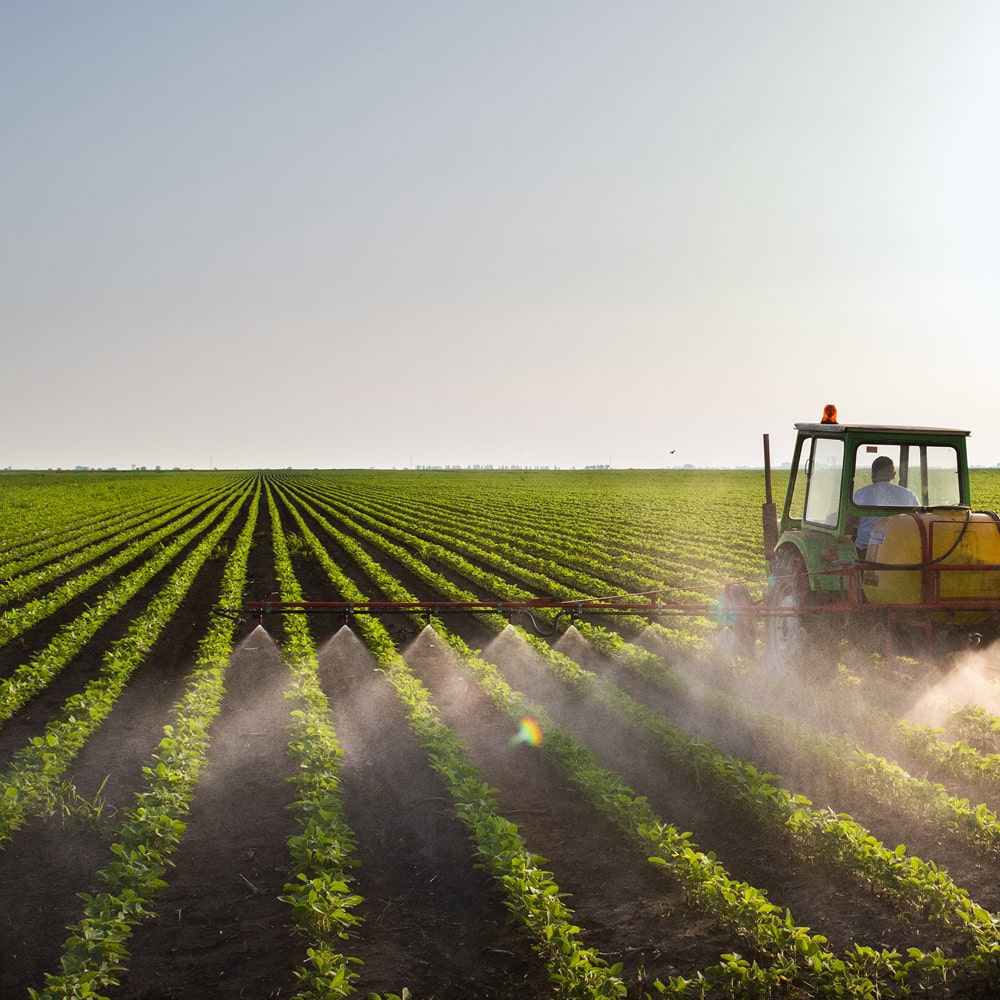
845,479
877,527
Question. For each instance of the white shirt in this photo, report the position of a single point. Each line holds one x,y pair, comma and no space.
880,494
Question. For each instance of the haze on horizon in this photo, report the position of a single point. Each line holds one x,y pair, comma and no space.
561,234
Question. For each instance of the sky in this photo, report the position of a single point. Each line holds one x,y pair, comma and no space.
536,233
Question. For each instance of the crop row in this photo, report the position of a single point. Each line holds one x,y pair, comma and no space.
322,854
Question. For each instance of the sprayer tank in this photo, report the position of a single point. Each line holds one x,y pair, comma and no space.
946,555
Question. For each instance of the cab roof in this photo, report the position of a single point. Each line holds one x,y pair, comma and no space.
875,429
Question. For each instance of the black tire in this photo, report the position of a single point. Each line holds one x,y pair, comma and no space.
786,635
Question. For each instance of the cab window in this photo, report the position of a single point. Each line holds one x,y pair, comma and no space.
825,472
797,496
929,471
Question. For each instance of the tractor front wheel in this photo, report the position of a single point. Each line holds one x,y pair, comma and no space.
787,639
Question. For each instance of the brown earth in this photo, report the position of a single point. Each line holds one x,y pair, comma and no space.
434,923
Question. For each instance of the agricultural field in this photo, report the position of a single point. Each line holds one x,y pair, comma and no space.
456,805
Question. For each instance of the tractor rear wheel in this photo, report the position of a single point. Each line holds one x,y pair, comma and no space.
787,639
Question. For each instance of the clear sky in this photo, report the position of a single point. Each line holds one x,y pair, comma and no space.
529,232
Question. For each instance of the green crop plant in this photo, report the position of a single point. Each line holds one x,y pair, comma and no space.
74,808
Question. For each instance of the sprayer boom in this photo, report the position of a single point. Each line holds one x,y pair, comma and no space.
646,605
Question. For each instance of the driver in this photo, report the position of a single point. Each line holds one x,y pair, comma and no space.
882,492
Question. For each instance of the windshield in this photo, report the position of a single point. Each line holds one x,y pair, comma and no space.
906,475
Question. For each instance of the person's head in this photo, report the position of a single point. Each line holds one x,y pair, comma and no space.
883,470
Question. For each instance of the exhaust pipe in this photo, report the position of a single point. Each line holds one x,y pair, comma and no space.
769,513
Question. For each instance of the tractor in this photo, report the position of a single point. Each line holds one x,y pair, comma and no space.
877,536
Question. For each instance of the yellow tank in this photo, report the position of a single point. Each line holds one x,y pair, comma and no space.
965,539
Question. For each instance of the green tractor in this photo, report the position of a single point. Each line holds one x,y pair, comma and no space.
877,536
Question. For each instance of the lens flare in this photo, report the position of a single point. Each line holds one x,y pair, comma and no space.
530,733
